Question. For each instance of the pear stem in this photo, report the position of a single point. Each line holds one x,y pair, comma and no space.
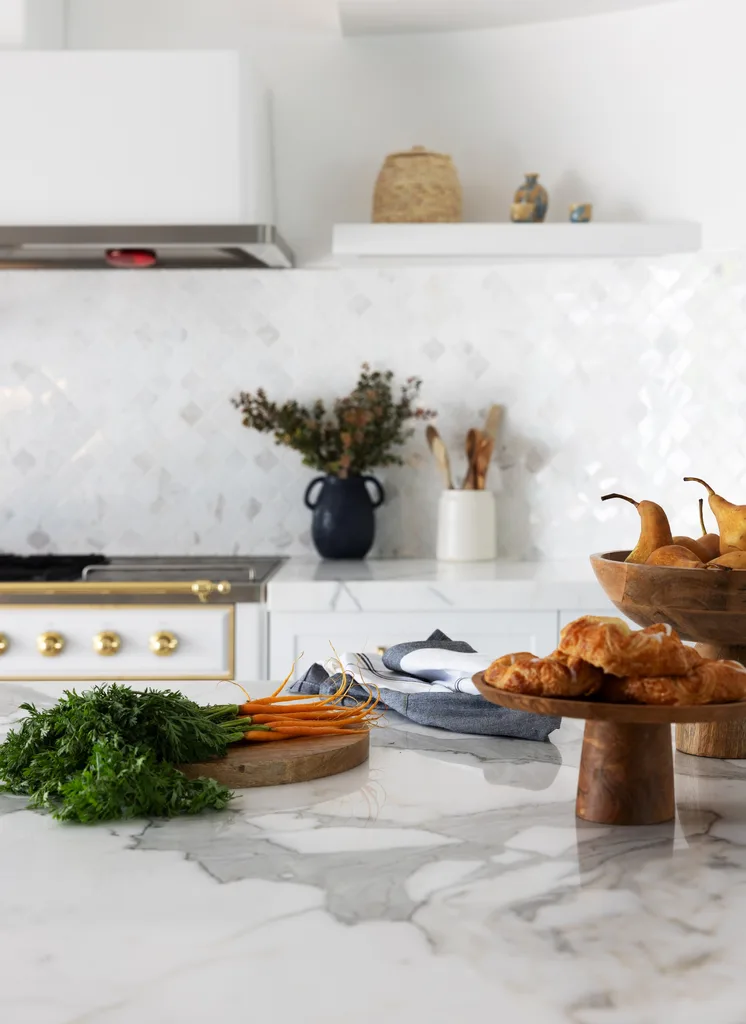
702,516
622,496
698,480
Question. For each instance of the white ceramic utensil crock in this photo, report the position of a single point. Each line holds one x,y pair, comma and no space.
467,526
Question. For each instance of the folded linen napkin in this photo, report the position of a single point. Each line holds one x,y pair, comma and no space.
429,682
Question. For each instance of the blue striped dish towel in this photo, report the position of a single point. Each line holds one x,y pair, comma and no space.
429,682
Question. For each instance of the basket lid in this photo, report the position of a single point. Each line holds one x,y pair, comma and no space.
419,151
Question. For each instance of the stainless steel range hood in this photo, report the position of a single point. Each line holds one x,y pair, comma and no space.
94,247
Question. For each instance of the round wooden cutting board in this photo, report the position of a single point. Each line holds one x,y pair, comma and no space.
275,764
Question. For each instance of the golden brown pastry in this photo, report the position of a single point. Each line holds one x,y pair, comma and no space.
555,676
711,682
498,668
611,645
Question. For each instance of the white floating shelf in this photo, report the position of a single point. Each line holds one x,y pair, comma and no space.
386,17
382,244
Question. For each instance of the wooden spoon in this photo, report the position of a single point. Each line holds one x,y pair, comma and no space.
493,421
439,450
473,438
484,456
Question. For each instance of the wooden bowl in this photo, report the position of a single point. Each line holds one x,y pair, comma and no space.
701,604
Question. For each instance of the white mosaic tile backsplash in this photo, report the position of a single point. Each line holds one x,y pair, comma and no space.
117,433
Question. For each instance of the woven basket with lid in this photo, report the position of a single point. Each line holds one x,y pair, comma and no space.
417,187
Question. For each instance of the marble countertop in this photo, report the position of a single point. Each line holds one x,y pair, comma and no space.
427,585
447,880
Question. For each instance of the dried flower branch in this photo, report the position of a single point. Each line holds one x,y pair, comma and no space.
357,434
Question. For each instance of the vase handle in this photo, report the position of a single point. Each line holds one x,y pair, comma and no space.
307,497
381,496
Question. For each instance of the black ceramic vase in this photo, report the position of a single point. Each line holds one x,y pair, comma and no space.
343,522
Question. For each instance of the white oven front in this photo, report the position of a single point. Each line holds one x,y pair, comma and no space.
107,642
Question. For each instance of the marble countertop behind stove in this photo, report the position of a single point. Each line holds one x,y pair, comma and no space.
427,585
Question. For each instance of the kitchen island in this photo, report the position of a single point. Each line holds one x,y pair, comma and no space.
447,880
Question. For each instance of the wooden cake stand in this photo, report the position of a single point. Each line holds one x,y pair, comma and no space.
626,768
703,605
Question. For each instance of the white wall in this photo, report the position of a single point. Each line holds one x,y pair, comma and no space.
638,112
32,24
12,24
45,27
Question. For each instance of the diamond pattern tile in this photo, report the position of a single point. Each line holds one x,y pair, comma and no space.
117,432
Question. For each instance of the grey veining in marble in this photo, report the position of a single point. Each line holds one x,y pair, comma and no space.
447,880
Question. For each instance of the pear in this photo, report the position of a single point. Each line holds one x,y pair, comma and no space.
709,541
655,531
731,560
696,548
675,555
731,519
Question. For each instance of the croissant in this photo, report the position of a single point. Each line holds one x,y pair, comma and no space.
497,670
611,645
711,682
555,676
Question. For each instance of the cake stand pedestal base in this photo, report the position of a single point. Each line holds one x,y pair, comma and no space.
715,739
626,768
626,774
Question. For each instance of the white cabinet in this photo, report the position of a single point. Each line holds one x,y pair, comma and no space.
311,634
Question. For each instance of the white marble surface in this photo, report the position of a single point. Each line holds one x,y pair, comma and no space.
403,584
445,881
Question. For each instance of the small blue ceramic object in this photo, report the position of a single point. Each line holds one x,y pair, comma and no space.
532,192
581,213
343,524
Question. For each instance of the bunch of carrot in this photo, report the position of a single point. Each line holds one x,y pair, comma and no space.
286,716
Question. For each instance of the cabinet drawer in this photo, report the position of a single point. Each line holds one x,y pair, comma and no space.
198,643
490,633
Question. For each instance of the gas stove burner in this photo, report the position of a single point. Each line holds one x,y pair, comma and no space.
44,568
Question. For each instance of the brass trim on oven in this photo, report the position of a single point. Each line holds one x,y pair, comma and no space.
120,677
201,589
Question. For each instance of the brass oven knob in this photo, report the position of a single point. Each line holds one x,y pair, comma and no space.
50,644
106,643
163,643
4,643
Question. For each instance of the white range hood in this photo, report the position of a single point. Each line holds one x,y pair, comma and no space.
135,139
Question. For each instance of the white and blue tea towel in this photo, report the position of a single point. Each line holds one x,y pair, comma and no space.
430,682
